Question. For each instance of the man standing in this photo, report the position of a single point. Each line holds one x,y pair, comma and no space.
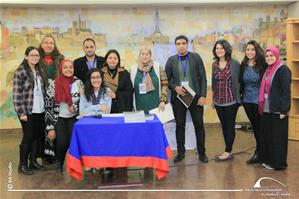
83,64
187,68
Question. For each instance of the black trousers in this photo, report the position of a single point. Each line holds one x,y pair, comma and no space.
253,115
33,139
227,116
63,129
196,112
274,140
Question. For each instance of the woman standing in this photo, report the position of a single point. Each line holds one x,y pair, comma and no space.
50,56
95,100
62,99
29,85
118,80
252,69
274,105
50,59
226,93
150,83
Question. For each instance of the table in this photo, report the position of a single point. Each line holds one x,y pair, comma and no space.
110,143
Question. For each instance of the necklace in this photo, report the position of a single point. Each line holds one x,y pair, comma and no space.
111,73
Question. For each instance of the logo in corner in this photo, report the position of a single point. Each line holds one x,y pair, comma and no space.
258,182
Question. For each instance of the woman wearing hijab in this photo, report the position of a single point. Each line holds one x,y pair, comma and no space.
150,83
63,97
274,105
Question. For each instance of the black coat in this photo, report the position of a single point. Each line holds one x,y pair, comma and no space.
280,92
81,68
124,93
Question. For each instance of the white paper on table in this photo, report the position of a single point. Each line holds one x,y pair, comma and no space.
164,116
113,115
134,117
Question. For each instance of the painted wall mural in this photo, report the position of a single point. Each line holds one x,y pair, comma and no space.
127,29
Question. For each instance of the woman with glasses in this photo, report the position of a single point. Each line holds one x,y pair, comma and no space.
29,87
94,100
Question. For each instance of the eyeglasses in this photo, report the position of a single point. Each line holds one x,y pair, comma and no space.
96,77
36,55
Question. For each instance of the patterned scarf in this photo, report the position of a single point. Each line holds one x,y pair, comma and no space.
146,68
110,82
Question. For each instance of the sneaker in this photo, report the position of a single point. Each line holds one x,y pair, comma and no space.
269,167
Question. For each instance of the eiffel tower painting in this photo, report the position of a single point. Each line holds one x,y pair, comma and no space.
157,36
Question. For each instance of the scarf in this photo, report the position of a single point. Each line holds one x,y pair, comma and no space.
110,82
146,68
63,86
48,60
266,81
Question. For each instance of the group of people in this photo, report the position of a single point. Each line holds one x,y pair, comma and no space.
50,92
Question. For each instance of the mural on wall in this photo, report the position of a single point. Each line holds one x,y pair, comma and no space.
127,29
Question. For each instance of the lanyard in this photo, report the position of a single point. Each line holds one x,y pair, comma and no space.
91,66
143,76
71,85
184,65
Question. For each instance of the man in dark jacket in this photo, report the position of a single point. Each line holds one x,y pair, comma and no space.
83,64
187,68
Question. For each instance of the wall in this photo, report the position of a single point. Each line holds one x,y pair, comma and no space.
293,10
127,29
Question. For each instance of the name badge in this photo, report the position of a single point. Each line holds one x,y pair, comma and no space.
184,83
266,96
142,88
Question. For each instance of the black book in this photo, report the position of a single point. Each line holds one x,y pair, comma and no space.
188,97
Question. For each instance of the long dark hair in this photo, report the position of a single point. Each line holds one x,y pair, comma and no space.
227,48
28,70
260,63
88,88
54,54
110,52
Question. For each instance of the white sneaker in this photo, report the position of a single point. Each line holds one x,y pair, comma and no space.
264,165
269,167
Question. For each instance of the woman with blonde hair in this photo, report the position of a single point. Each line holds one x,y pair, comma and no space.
150,82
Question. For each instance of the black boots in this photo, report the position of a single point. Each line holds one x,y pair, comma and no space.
203,157
254,159
179,157
33,164
23,167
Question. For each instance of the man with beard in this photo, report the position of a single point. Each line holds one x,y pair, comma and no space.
187,68
83,64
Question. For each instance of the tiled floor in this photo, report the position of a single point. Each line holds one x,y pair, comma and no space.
187,179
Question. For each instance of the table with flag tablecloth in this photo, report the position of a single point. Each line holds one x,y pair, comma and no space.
108,142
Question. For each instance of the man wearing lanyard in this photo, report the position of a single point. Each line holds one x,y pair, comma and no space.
187,68
83,64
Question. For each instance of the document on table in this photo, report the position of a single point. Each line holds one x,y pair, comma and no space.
134,117
113,115
164,116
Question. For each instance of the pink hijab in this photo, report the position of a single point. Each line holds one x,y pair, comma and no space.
266,81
